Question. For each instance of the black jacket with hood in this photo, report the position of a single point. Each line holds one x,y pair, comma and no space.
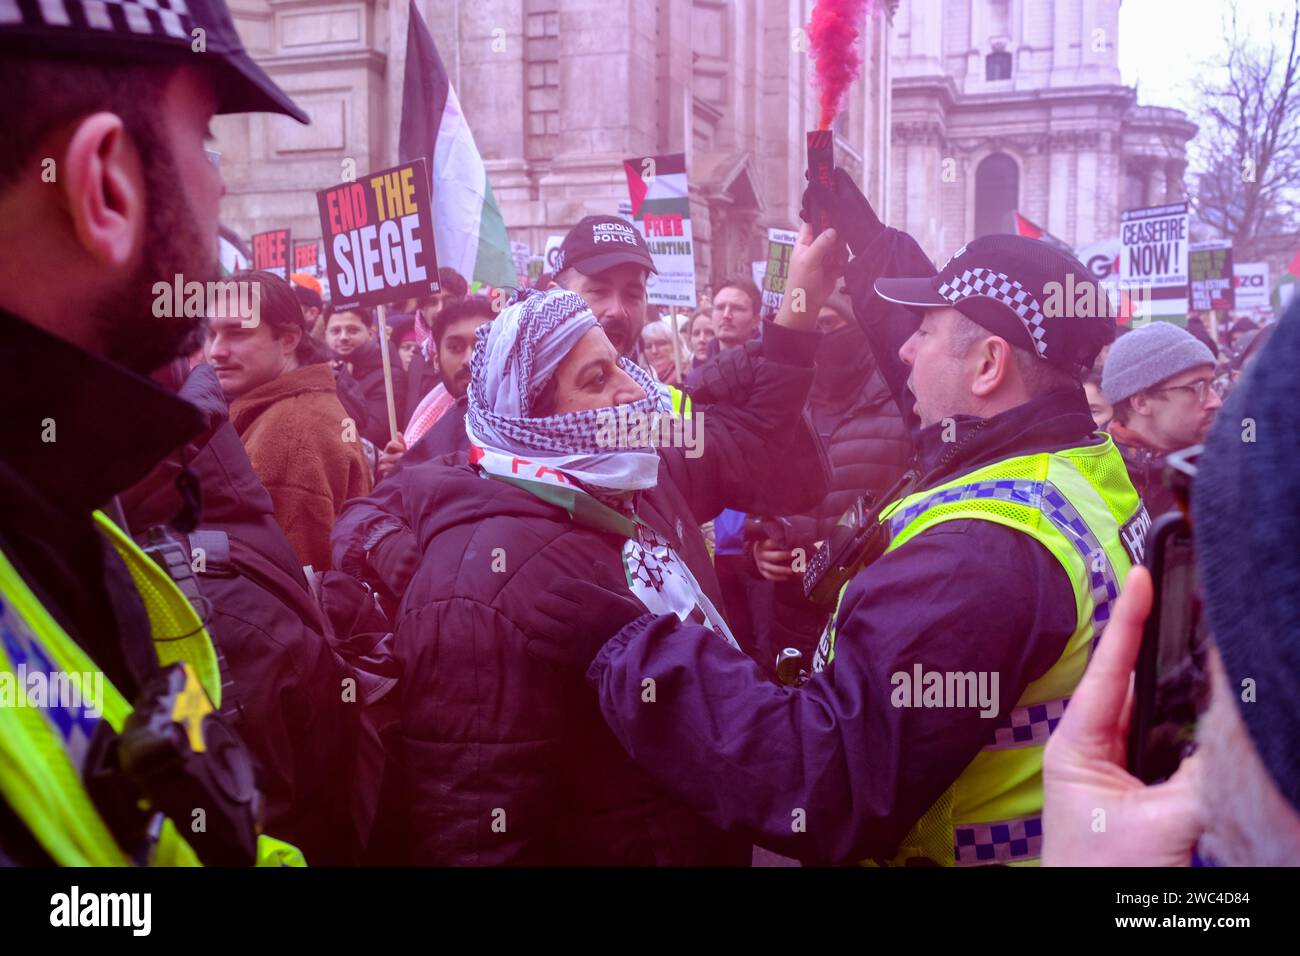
859,425
506,761
368,375
287,681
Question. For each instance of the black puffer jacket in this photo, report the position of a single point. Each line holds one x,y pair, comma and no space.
858,423
368,373
421,378
860,427
506,761
286,677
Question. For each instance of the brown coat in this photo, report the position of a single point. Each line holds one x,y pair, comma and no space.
293,430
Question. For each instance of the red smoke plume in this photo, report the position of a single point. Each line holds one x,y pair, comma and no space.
833,36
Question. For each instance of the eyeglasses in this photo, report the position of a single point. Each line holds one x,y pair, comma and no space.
1200,389
213,155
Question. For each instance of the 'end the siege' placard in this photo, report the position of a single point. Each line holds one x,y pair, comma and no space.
378,235
271,252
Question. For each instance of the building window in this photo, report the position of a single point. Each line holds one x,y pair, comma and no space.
542,78
997,194
997,65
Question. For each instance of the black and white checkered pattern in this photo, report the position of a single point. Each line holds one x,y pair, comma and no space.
159,18
1001,288
570,433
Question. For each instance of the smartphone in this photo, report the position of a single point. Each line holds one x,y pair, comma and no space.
1171,687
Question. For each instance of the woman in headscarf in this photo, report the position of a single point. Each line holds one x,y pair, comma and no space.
506,760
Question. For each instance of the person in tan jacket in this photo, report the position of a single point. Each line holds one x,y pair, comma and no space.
303,446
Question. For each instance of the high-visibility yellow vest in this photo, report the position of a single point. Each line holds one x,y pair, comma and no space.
673,400
1076,503
42,747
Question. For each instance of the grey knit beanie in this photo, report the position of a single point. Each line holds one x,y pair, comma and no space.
1148,356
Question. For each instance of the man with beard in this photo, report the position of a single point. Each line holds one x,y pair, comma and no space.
453,341
105,190
422,375
606,261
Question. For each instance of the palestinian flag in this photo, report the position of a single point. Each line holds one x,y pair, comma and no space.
1288,287
467,226
232,253
1025,227
657,186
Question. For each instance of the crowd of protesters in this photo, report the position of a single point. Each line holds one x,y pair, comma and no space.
434,600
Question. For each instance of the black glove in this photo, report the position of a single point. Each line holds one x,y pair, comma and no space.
851,213
571,621
392,562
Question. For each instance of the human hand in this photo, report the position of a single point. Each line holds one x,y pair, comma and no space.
572,619
774,562
1095,813
850,211
815,266
390,456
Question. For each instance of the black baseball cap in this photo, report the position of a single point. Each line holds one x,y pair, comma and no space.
1032,294
598,243
144,32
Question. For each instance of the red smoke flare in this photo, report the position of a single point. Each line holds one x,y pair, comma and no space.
833,36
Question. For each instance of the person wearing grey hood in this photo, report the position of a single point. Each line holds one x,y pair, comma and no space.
1160,380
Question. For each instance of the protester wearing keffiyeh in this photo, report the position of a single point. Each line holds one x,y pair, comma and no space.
514,358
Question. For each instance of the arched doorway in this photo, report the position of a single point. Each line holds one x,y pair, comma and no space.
997,194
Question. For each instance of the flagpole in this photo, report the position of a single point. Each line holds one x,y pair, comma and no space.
388,373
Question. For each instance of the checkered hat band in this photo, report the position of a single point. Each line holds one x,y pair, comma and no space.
74,724
1005,841
1001,288
158,18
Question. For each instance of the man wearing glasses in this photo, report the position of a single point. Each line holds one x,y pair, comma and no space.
1159,378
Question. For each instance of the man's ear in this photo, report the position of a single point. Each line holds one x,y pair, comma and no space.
1140,403
996,364
289,340
104,190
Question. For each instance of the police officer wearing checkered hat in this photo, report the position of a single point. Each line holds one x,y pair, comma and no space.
961,608
108,191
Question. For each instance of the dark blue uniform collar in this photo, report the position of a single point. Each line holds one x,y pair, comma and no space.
1049,423
110,426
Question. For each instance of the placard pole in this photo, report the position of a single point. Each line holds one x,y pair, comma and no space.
388,373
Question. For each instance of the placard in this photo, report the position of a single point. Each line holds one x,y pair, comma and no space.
378,236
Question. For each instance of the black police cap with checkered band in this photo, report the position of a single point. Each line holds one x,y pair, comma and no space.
146,31
1032,294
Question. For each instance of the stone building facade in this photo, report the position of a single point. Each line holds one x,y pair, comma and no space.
1002,106
558,93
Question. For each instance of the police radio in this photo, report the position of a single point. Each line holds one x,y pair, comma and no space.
857,540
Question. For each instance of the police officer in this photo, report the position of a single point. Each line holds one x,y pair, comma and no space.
107,187
965,608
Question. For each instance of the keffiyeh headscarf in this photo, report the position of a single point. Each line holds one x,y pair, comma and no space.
514,358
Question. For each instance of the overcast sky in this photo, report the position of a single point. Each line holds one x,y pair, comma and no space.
1164,44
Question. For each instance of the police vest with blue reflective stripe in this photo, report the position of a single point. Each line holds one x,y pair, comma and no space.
43,744
1076,503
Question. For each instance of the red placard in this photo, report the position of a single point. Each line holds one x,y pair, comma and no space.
271,252
306,257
